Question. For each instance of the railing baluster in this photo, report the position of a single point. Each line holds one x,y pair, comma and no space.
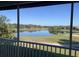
7,49
47,52
23,50
33,50
43,50
64,51
75,53
51,50
16,49
55,49
60,51
20,48
29,50
39,50
4,49
36,51
26,50
1,48
11,49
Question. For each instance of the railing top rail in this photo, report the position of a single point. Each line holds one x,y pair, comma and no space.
44,44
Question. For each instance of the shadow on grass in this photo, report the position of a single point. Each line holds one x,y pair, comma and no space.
65,42
14,51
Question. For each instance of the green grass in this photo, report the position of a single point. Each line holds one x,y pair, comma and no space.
49,39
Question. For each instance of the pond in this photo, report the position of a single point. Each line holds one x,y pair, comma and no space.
36,33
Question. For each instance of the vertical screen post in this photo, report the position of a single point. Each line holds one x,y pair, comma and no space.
71,27
18,20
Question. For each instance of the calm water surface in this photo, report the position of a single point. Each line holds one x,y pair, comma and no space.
36,33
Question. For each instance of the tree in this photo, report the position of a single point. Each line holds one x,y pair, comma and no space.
55,29
4,27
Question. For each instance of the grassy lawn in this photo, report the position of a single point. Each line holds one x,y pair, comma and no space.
49,39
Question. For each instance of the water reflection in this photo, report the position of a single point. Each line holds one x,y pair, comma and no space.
36,33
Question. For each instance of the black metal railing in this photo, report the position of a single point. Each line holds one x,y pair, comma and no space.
13,48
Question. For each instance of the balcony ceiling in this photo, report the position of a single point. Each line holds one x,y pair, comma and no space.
6,5
10,3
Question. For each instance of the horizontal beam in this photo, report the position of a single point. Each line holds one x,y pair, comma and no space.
24,4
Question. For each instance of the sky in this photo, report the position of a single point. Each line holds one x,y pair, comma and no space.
46,15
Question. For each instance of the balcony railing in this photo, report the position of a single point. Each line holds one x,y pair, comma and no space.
13,48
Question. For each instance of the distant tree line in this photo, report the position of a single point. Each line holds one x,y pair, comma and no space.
61,29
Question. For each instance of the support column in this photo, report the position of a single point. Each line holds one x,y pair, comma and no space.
18,24
71,28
